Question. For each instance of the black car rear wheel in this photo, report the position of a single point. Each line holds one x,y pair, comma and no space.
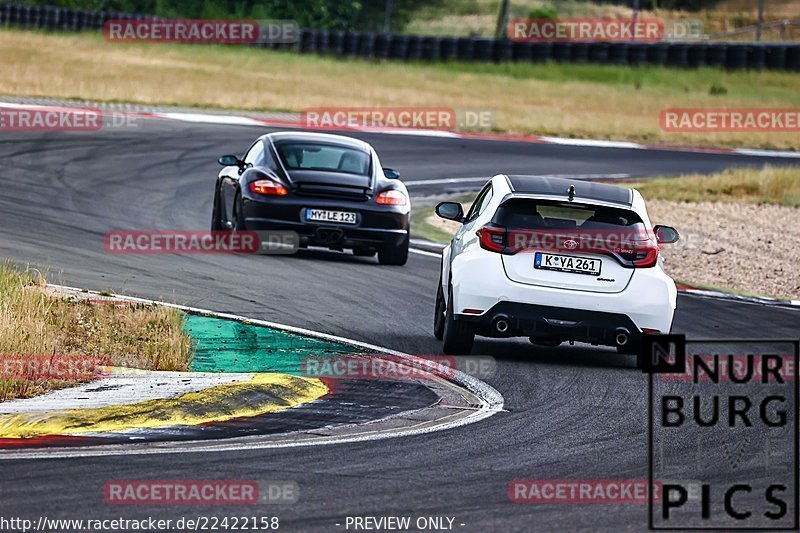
238,216
394,255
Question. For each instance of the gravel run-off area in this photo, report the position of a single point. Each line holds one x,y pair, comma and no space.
744,247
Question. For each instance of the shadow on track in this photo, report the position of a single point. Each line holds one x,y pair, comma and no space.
579,354
320,254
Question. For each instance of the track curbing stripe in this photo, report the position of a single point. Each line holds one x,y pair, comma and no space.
263,393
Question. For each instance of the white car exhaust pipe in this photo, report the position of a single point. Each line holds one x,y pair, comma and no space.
622,336
501,325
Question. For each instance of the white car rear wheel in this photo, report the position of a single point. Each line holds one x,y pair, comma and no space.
459,336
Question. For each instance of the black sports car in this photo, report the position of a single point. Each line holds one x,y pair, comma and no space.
330,189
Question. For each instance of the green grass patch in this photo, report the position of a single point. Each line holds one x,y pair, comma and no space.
421,214
421,228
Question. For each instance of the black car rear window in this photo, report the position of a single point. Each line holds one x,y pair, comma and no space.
324,157
525,213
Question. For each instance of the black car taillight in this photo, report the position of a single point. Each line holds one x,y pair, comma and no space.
391,197
268,187
493,238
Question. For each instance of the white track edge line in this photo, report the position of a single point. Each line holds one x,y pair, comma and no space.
424,252
242,120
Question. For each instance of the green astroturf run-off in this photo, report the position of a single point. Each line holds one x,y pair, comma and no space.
230,346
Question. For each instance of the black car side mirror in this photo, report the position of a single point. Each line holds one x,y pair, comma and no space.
666,234
450,211
391,173
230,161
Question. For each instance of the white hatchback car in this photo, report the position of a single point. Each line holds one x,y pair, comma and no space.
554,260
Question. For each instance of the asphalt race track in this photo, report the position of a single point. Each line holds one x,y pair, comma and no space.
572,412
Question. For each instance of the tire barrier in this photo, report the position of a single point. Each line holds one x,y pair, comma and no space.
366,46
466,49
618,53
322,41
579,53
483,49
305,42
521,52
598,53
336,43
503,51
22,14
382,45
696,55
657,53
756,57
793,58
637,54
541,52
734,56
448,49
414,48
560,52
431,48
351,43
678,55
716,56
57,18
398,49
775,56
33,16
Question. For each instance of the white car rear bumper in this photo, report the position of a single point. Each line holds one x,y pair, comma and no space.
649,299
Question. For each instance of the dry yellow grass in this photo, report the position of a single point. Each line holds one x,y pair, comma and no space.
565,100
34,324
769,185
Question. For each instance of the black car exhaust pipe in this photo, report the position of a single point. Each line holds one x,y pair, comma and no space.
501,324
329,236
622,336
